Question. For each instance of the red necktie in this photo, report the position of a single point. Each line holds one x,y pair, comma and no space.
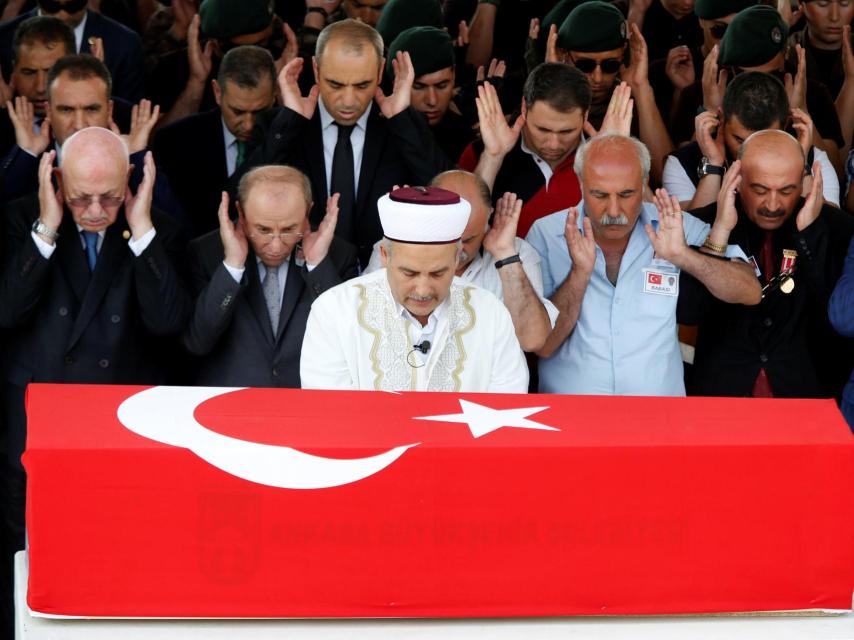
762,386
766,257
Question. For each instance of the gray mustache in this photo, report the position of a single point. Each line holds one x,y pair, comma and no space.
620,220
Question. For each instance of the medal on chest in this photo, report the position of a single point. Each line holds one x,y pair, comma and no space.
784,280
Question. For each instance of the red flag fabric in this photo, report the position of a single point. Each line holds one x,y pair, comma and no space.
182,502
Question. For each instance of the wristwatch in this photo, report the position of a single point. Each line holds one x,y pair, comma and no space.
707,168
506,261
42,229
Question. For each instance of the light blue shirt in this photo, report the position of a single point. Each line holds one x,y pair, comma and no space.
625,341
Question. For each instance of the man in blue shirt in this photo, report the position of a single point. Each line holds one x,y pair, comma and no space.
611,266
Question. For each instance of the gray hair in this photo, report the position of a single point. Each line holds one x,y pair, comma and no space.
611,140
354,34
279,174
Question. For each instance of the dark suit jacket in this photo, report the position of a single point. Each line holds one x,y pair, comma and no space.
122,52
191,152
788,335
397,151
230,329
65,325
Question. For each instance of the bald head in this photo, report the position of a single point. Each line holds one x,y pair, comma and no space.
94,177
472,188
771,144
613,148
772,170
278,181
95,147
274,202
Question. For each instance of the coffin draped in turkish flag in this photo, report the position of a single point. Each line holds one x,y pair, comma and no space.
287,503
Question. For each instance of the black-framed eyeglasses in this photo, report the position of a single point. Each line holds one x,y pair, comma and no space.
588,65
718,30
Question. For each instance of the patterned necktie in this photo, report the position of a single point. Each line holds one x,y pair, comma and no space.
271,297
241,154
91,240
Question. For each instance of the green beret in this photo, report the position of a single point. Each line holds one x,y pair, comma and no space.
592,27
400,15
753,38
556,16
715,9
431,49
225,19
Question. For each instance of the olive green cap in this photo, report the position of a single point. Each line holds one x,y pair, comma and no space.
225,19
592,27
716,9
754,37
431,49
556,16
400,15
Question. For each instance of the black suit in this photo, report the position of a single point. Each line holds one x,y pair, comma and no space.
191,152
122,51
787,335
230,328
67,325
397,151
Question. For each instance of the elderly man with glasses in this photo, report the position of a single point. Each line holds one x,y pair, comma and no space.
257,278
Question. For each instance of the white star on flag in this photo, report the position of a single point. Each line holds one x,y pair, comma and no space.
482,420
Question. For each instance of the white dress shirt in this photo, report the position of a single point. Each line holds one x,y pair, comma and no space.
78,31
330,138
136,246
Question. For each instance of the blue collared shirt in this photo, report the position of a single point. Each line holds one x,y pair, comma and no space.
625,341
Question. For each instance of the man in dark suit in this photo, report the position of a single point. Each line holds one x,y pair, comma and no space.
122,47
90,288
38,43
78,96
783,347
256,281
347,136
200,152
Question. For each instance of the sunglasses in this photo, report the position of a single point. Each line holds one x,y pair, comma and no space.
588,65
718,30
54,6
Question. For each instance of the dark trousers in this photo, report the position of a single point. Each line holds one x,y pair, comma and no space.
13,491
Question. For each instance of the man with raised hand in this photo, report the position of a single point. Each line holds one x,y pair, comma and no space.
412,325
256,279
493,257
612,268
784,347
91,289
347,135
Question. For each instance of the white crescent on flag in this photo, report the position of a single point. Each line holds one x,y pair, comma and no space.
167,415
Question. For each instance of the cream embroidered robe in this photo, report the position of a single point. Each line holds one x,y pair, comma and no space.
356,339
